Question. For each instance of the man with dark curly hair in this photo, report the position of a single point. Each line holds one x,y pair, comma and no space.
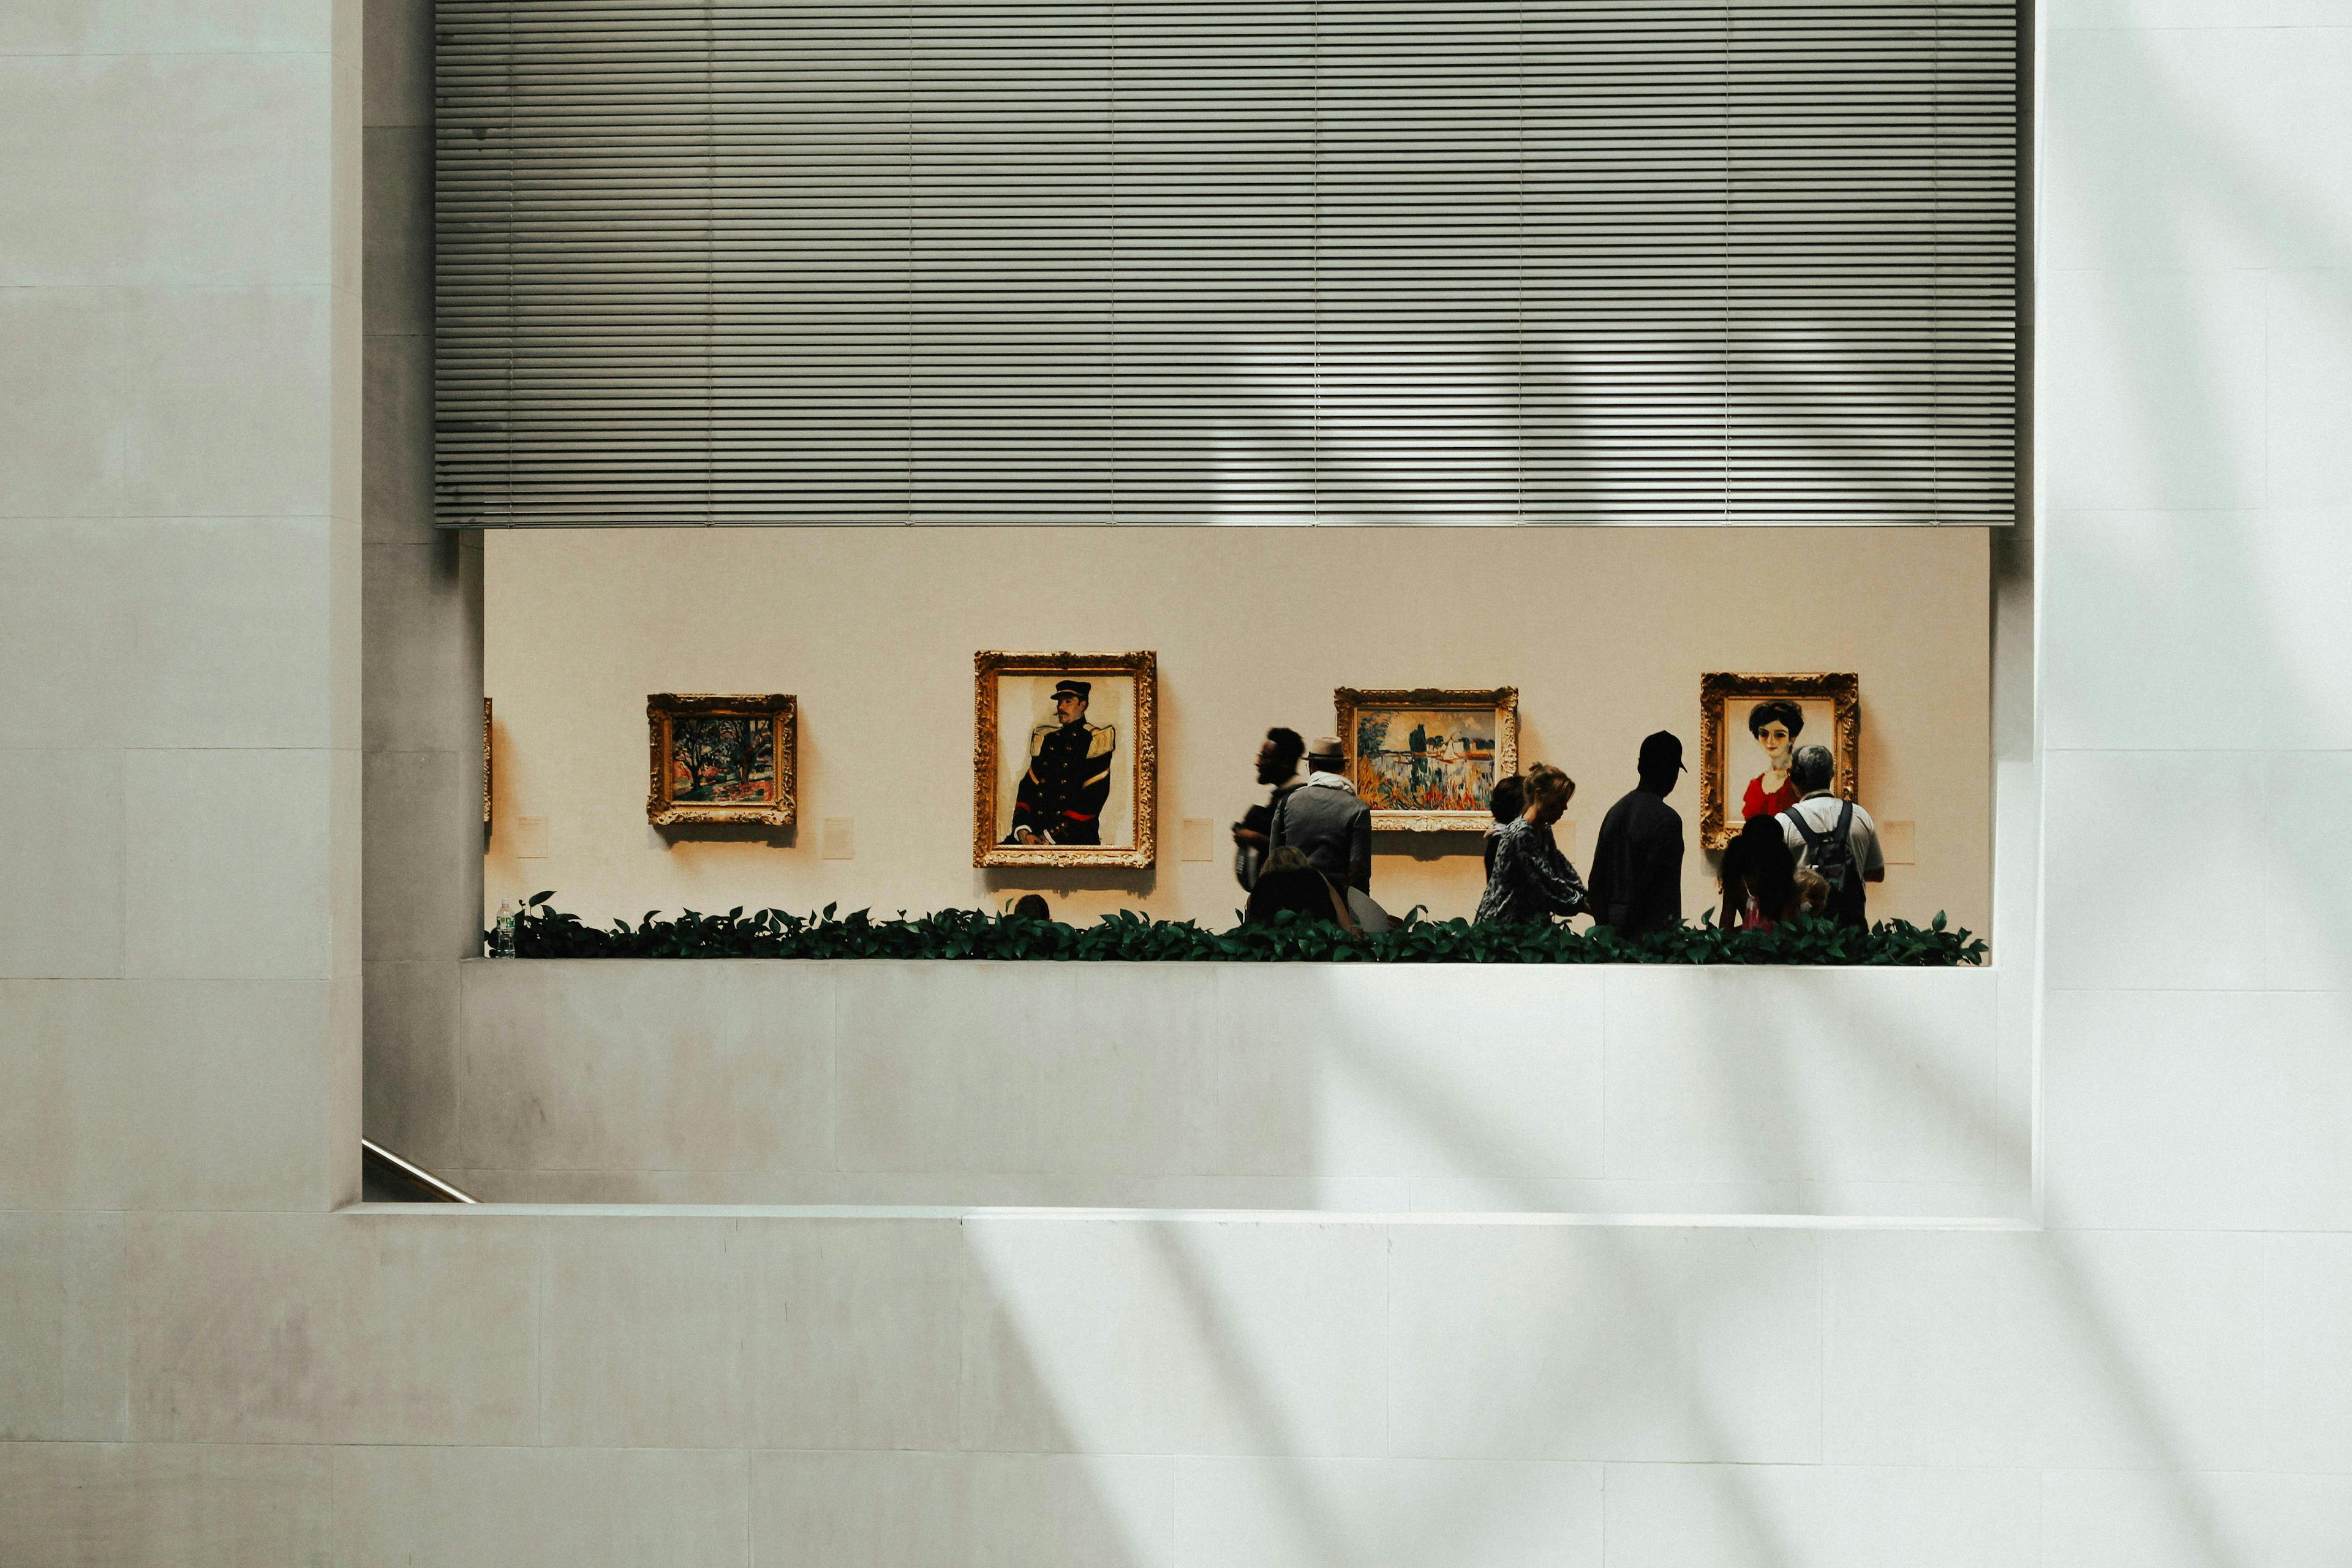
1277,764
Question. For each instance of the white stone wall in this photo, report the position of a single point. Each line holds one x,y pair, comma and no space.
201,1362
179,610
1337,1088
421,651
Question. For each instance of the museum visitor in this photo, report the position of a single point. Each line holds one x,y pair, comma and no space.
1532,880
1832,837
1637,858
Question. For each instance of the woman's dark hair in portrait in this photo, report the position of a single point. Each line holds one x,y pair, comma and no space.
1778,708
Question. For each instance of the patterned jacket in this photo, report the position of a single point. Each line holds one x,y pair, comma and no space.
1531,879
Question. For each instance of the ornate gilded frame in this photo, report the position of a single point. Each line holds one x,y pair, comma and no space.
486,762
775,707
1843,693
1143,757
1348,700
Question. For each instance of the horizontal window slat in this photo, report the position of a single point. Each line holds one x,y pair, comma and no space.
1088,261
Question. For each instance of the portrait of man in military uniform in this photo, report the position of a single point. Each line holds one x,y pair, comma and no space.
1061,796
1064,753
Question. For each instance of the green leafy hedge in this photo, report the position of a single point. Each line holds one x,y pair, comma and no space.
543,931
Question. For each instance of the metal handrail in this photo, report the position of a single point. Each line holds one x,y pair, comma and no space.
442,1190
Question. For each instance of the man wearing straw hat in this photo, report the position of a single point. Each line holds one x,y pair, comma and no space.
1323,820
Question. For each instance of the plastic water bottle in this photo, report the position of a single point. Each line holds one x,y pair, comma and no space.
502,944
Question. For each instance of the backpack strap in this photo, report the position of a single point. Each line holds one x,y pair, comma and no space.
1843,834
1846,898
1816,842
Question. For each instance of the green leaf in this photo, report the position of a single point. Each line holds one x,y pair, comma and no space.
544,931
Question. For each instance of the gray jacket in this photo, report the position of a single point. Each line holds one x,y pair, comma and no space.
1326,823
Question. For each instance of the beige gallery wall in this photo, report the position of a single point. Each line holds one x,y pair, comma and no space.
1605,631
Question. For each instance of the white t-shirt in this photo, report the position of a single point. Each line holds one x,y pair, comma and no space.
1821,813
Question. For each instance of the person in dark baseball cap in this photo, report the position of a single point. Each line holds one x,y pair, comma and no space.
1661,756
1637,860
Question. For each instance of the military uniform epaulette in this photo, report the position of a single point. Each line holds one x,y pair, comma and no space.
1100,739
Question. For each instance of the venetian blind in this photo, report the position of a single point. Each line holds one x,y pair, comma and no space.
1227,260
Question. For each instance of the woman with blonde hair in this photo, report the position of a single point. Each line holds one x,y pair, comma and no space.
1532,880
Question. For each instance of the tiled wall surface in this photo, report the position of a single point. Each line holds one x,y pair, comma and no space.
457,1386
201,1363
1337,1087
179,605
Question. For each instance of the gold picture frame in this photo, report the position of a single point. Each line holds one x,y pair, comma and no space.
486,762
1130,798
1721,690
772,721
1378,779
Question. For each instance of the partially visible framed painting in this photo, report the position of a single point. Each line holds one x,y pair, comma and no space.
721,759
1064,759
1748,728
1425,759
486,762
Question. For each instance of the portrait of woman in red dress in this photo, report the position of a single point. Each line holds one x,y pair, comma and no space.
1776,726
1824,708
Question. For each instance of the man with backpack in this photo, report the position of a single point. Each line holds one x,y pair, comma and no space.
1833,839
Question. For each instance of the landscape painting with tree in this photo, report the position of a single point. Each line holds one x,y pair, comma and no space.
718,759
732,760
1427,758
